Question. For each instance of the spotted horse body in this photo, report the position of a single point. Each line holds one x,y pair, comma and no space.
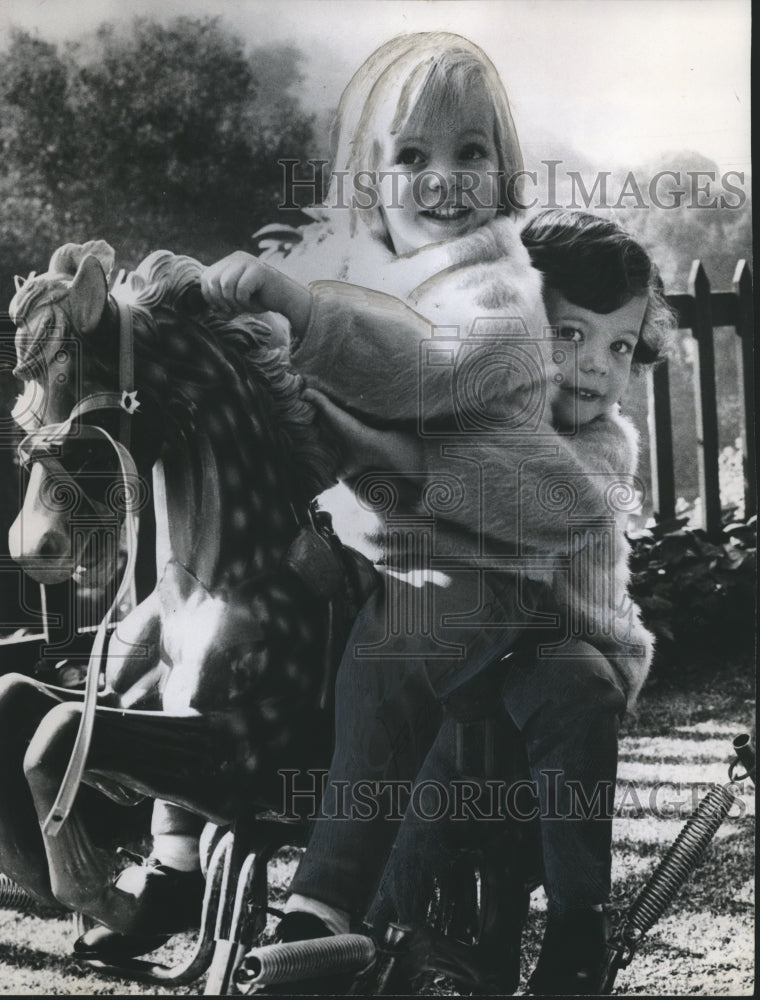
216,679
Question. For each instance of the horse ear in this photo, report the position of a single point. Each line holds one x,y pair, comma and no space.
103,251
88,295
67,258
19,282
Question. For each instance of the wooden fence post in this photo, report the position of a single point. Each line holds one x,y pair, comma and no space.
660,425
742,287
705,393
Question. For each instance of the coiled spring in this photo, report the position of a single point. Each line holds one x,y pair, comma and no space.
679,862
12,896
290,961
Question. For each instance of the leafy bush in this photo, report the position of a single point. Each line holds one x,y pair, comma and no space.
696,595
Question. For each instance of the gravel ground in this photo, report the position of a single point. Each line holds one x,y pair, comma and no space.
704,944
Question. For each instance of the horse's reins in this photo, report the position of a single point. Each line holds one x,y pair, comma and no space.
126,402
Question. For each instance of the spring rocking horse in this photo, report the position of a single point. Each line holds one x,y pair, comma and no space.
221,675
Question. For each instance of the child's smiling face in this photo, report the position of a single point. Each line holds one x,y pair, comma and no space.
442,173
605,343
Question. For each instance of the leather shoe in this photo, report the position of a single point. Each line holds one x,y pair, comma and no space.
101,944
572,956
150,899
149,903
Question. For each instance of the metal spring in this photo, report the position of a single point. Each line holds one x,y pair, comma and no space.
745,753
13,897
286,962
681,859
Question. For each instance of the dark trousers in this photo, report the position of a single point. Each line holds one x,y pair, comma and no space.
389,729
567,712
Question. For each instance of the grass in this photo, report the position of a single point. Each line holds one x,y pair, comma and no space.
702,946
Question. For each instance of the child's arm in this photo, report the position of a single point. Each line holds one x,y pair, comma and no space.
363,448
365,350
386,363
354,342
346,340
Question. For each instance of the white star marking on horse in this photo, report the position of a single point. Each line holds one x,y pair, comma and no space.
129,401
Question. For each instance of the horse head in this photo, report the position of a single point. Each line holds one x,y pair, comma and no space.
72,513
212,413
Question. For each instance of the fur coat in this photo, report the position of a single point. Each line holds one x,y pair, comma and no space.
449,345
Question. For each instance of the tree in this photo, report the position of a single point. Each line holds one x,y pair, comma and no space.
154,135
151,135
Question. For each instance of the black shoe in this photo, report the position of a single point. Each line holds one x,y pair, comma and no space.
293,927
101,944
144,903
300,926
572,956
148,903
151,899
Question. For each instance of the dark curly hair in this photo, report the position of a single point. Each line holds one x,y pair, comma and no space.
596,265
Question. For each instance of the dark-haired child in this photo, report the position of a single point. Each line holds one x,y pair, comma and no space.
602,294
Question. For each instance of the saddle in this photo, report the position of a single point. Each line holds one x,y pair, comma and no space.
337,574
327,566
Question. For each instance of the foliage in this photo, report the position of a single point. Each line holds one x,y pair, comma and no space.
719,235
715,227
158,132
696,595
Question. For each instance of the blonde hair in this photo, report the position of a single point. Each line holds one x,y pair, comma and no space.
404,75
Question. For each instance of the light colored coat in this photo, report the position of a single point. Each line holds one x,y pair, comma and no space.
504,488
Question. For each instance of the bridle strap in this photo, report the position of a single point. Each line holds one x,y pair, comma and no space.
126,369
126,401
78,760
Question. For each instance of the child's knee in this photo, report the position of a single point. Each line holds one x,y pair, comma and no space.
585,683
593,688
575,697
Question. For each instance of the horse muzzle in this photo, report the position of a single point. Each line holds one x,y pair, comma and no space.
43,552
56,538
49,557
